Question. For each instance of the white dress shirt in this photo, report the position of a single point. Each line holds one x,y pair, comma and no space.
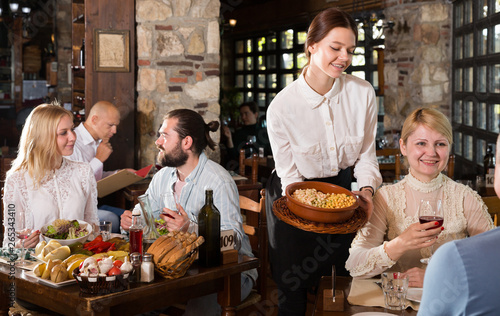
85,150
69,192
315,136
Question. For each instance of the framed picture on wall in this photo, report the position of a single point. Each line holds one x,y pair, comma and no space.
111,50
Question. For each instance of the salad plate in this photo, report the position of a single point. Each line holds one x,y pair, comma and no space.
67,242
49,282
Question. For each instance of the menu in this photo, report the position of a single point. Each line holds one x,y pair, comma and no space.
120,180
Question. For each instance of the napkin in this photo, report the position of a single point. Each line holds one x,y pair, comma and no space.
366,292
8,255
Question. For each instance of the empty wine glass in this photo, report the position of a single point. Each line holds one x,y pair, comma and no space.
23,228
430,211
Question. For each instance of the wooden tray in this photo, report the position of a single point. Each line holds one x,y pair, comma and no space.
352,225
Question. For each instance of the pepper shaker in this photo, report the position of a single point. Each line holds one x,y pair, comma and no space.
135,259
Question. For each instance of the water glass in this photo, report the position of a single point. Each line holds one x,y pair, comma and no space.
105,229
395,288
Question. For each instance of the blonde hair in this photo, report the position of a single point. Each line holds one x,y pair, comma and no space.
38,152
430,118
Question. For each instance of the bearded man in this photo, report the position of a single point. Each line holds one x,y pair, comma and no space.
177,192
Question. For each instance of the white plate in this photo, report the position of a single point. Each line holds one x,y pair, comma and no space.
372,314
414,294
50,283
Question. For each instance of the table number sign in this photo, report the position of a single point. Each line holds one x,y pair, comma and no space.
227,240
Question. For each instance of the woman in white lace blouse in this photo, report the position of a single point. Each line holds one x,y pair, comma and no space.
393,238
44,183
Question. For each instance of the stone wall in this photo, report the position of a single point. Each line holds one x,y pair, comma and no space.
417,59
178,58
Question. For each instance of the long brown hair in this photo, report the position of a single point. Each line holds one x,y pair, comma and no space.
38,152
324,22
190,123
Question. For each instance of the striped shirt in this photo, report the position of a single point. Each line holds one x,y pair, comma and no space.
207,175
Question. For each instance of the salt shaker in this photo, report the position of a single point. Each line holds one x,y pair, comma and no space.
147,268
135,259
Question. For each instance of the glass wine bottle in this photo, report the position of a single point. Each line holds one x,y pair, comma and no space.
82,54
135,232
489,161
209,228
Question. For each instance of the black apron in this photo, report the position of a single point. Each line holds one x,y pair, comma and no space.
300,258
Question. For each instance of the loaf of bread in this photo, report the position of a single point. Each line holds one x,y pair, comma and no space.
174,247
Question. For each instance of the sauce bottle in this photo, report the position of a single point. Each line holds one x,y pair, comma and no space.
135,232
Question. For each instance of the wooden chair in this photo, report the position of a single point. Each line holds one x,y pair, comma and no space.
449,170
253,163
255,226
493,204
388,169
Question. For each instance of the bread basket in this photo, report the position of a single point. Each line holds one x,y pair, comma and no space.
101,284
176,269
174,253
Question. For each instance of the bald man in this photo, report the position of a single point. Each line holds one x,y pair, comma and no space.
92,137
92,146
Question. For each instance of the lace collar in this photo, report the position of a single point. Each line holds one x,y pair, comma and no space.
425,187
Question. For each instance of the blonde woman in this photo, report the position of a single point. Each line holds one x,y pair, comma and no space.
41,181
393,238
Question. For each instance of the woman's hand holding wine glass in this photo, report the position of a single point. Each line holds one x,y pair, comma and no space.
431,211
23,228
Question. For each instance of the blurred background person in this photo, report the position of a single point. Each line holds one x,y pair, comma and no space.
44,183
92,146
251,134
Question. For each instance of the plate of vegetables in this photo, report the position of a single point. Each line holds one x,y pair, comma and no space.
66,232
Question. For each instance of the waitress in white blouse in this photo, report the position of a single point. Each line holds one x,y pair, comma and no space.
319,127
44,183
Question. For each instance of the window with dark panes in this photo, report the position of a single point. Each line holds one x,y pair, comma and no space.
267,63
476,81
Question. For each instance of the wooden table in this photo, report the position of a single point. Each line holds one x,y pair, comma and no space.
139,298
344,284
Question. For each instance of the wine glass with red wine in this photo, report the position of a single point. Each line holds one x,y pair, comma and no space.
430,211
23,228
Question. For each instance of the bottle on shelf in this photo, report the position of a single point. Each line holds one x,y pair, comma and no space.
82,54
489,161
209,228
135,232
489,170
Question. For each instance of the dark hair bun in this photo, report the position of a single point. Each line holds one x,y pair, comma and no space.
213,126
